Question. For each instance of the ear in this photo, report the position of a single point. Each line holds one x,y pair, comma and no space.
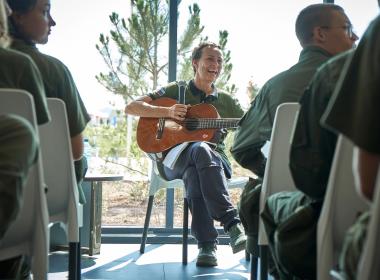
194,62
17,17
319,34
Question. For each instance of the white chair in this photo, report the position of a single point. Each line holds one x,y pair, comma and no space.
277,175
340,209
29,234
369,268
62,196
157,183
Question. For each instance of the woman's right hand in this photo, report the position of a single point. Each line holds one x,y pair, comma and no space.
178,111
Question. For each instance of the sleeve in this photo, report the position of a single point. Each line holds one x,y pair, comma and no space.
170,91
76,111
254,127
353,110
31,81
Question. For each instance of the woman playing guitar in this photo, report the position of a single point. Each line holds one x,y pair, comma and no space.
201,166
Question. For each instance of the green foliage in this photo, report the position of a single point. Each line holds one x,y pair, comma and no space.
111,141
135,53
135,50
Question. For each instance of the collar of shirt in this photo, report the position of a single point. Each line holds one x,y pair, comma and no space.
312,50
202,95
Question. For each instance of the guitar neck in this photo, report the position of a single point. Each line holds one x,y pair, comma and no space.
206,123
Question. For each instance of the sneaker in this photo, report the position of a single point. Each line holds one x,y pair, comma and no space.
207,256
237,238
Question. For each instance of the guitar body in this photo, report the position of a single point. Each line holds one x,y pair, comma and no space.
150,140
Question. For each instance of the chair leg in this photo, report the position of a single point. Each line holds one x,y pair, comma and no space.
74,265
247,256
185,230
146,224
254,264
263,262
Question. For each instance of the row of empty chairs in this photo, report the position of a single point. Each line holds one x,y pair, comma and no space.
50,192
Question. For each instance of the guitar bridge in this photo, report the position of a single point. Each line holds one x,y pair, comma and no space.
161,126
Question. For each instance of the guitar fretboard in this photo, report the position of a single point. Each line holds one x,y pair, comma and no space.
205,123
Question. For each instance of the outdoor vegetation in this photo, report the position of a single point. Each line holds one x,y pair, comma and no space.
135,52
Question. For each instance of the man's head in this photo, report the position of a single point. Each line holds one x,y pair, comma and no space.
207,61
326,26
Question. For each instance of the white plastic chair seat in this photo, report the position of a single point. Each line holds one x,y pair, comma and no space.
369,268
29,234
277,176
62,196
341,207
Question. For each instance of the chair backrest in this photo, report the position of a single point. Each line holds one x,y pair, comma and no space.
277,175
341,207
58,165
29,234
369,268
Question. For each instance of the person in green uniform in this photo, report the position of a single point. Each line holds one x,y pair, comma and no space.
17,70
18,141
319,42
30,24
286,213
353,111
203,167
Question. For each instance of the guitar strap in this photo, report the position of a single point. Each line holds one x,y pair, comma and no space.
181,92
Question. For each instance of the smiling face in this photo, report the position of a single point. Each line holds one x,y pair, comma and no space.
35,24
209,65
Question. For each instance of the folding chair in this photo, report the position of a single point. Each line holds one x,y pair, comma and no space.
341,207
157,183
29,234
63,201
369,268
277,175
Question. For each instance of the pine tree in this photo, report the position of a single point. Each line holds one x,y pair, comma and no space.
135,51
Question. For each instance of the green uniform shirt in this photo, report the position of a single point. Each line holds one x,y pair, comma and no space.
225,104
313,146
18,71
353,110
59,84
256,125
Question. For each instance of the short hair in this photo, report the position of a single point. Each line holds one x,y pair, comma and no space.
22,6
313,16
197,51
4,38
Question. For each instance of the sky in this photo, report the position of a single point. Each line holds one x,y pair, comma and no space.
261,37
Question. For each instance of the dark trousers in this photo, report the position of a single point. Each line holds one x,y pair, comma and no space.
202,171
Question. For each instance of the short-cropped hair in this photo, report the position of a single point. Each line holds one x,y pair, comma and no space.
313,16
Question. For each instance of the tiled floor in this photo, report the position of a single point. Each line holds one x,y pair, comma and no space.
160,262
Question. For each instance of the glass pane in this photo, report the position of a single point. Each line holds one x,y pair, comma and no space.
360,13
261,35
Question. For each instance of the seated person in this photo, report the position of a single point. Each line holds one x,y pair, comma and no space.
203,167
18,152
18,142
18,71
30,24
311,155
319,43
354,113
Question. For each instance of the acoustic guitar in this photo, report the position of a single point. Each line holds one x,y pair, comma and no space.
155,135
